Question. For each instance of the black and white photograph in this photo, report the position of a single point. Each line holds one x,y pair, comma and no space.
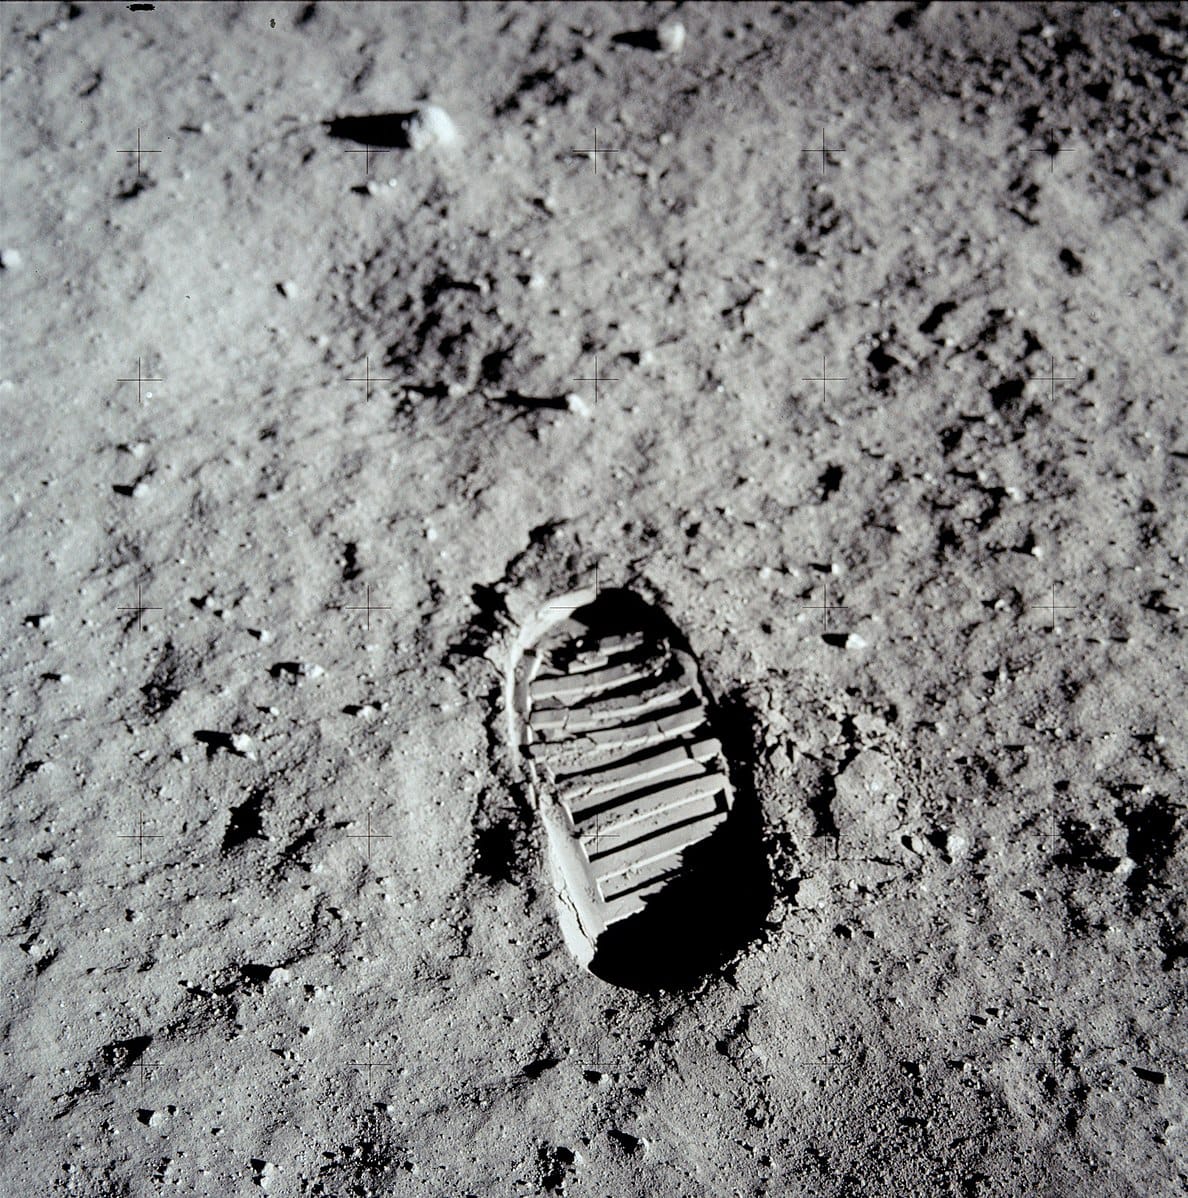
593,599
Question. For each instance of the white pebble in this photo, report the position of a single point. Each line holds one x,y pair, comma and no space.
671,35
10,259
431,126
576,404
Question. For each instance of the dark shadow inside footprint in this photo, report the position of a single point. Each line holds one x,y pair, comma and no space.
700,921
387,130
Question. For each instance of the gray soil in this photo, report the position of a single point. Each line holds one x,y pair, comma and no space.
968,808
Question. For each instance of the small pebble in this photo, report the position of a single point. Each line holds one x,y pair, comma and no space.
431,126
10,259
576,404
671,36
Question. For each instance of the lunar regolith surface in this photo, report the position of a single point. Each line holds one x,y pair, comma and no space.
825,364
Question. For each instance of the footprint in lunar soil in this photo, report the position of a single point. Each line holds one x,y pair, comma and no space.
657,880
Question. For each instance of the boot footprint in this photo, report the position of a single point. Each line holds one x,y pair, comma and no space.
648,857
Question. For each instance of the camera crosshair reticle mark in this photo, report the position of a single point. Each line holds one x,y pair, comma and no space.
138,152
370,1064
140,379
824,607
575,606
140,608
140,836
367,378
1052,607
1052,150
596,379
824,378
1052,377
366,606
824,151
145,1067
369,836
367,151
593,153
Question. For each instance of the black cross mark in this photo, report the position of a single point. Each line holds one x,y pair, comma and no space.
368,378
138,151
824,151
367,152
1052,377
593,153
824,378
368,836
140,836
144,1067
1051,149
371,1064
824,607
140,379
366,606
575,606
140,608
596,379
1052,607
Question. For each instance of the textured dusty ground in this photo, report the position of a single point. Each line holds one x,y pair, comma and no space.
969,979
